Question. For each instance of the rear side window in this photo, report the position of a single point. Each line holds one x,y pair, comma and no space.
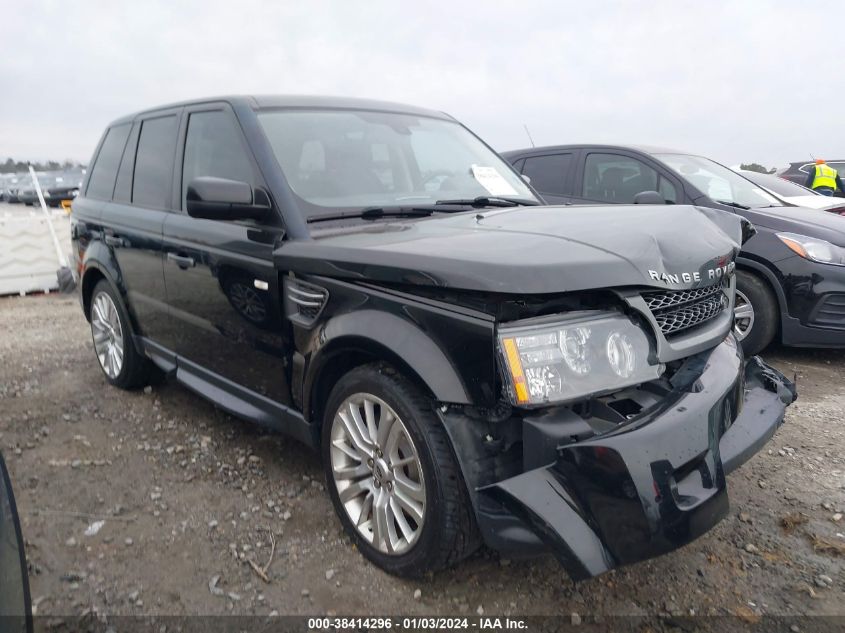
104,171
549,174
154,163
213,147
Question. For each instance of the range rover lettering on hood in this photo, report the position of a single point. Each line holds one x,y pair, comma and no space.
694,276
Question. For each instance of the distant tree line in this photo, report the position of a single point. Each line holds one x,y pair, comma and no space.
12,166
757,167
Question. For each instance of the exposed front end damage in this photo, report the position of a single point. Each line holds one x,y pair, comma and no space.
600,492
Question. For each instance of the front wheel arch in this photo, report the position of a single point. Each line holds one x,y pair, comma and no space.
766,313
769,278
338,359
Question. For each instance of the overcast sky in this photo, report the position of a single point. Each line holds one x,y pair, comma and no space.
737,81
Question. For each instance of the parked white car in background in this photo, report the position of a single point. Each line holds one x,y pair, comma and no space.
794,193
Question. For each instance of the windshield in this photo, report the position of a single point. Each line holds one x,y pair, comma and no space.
778,185
718,182
351,159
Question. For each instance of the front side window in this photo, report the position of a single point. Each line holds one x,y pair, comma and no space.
549,174
718,182
104,170
213,147
352,159
154,163
617,178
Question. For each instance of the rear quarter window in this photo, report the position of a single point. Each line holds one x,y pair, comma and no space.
154,163
104,170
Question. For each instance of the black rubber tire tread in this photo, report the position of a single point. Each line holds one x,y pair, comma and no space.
136,370
450,533
766,312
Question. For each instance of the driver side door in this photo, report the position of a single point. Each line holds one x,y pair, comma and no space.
222,287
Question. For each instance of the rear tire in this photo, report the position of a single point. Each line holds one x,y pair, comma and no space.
366,469
122,364
756,313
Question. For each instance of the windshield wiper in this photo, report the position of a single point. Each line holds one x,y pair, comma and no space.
488,201
735,205
374,213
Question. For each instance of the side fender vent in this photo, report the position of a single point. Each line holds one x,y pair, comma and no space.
303,301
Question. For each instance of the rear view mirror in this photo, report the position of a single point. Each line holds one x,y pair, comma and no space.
649,197
15,605
222,199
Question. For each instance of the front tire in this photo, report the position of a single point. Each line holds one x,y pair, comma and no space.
122,364
392,476
755,313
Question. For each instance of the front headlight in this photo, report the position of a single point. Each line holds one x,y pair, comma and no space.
585,354
815,250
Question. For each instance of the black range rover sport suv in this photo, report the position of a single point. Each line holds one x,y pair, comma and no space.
373,280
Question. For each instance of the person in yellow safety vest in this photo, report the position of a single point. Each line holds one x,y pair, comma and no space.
824,179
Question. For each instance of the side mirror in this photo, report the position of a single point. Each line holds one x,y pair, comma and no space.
748,230
649,197
221,199
527,179
15,603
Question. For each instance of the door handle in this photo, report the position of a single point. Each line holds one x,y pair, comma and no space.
182,261
113,240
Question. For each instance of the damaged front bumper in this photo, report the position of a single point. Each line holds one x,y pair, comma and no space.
645,488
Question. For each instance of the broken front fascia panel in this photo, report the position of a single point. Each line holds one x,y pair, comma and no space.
599,494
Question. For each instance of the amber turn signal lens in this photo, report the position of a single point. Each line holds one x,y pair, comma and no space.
515,367
794,246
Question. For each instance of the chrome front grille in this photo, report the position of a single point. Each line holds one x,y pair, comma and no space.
660,300
678,310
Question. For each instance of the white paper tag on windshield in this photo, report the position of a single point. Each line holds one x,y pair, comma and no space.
492,181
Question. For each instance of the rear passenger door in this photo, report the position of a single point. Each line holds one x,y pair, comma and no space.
550,174
133,220
616,177
222,286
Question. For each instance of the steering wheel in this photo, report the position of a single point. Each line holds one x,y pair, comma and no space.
437,173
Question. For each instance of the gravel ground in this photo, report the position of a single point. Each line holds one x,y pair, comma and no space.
181,496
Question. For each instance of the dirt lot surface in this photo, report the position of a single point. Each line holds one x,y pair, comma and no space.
189,494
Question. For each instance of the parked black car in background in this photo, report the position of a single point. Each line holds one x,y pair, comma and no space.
790,275
375,281
63,188
797,172
27,193
56,187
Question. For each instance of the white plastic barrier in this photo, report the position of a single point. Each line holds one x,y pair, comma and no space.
27,253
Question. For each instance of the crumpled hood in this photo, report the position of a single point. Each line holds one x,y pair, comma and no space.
529,250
